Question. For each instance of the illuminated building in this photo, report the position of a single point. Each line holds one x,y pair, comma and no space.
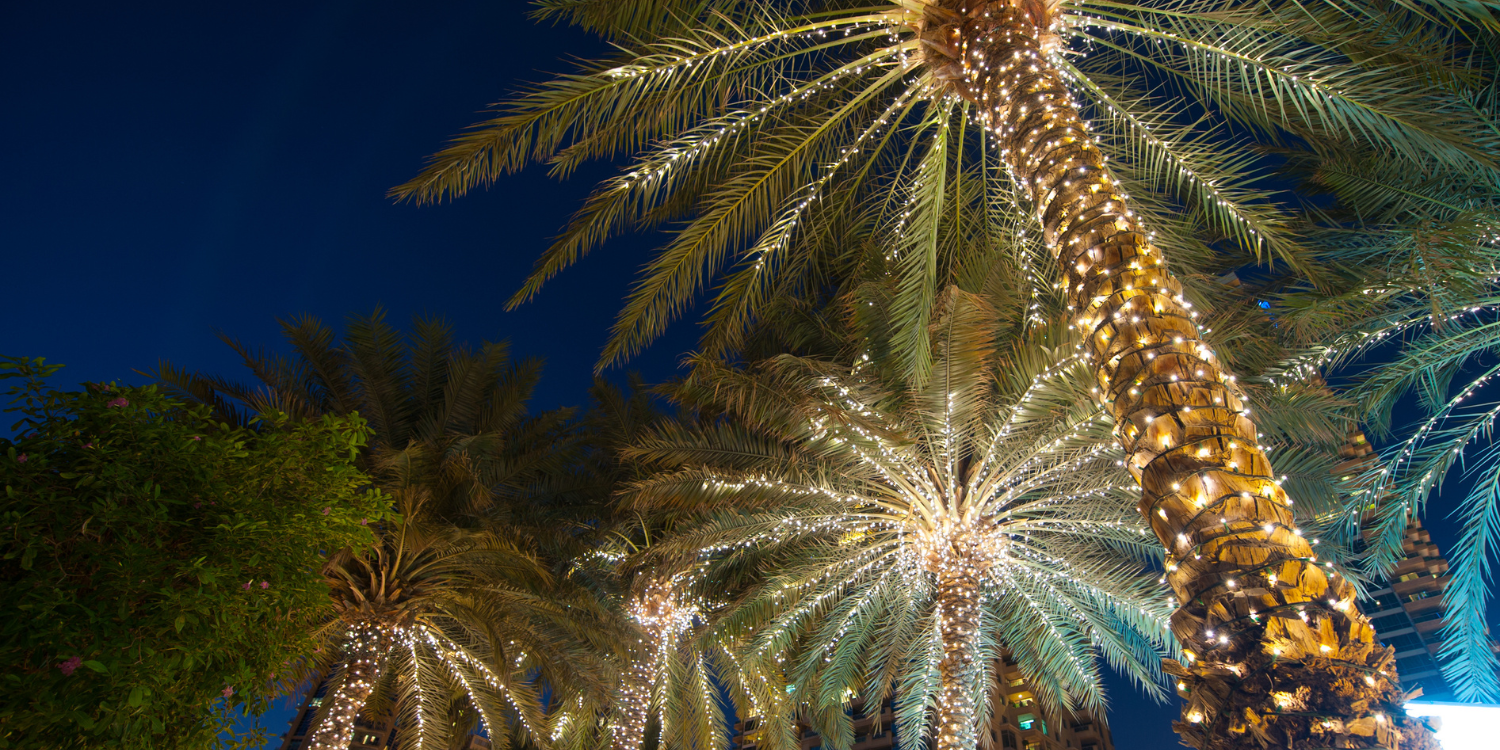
1407,612
1019,723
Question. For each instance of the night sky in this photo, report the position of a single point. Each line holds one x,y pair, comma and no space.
176,169
179,169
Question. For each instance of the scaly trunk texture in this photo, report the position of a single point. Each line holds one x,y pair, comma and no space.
1278,655
958,627
368,646
635,698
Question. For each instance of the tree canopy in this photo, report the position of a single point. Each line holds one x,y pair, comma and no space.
160,568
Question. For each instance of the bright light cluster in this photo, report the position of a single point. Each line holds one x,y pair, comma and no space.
663,617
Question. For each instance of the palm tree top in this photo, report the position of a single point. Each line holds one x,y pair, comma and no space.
454,607
764,125
854,488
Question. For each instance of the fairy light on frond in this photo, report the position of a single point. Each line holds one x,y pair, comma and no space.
812,32
781,232
680,153
458,674
1382,328
1143,135
416,691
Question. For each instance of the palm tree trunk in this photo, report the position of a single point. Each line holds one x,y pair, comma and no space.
367,650
635,698
1277,653
958,628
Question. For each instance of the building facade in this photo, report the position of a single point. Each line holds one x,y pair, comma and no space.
1407,607
1019,723
1407,612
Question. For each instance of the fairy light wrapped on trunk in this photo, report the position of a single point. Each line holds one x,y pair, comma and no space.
367,647
1277,654
958,556
662,619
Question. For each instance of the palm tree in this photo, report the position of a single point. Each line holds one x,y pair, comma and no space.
654,619
902,529
452,600
765,122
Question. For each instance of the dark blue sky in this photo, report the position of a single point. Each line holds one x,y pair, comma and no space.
173,169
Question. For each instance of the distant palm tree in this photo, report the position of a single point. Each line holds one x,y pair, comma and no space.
665,664
663,643
904,528
452,600
761,123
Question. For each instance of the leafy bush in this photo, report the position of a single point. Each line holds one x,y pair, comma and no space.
160,572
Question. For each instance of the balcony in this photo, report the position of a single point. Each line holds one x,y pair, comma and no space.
1087,731
1412,585
1030,725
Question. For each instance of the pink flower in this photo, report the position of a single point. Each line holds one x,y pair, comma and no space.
88,445
246,586
326,511
364,522
197,437
265,584
70,666
22,459
228,691
119,402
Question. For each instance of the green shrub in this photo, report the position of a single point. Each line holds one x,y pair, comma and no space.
160,572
